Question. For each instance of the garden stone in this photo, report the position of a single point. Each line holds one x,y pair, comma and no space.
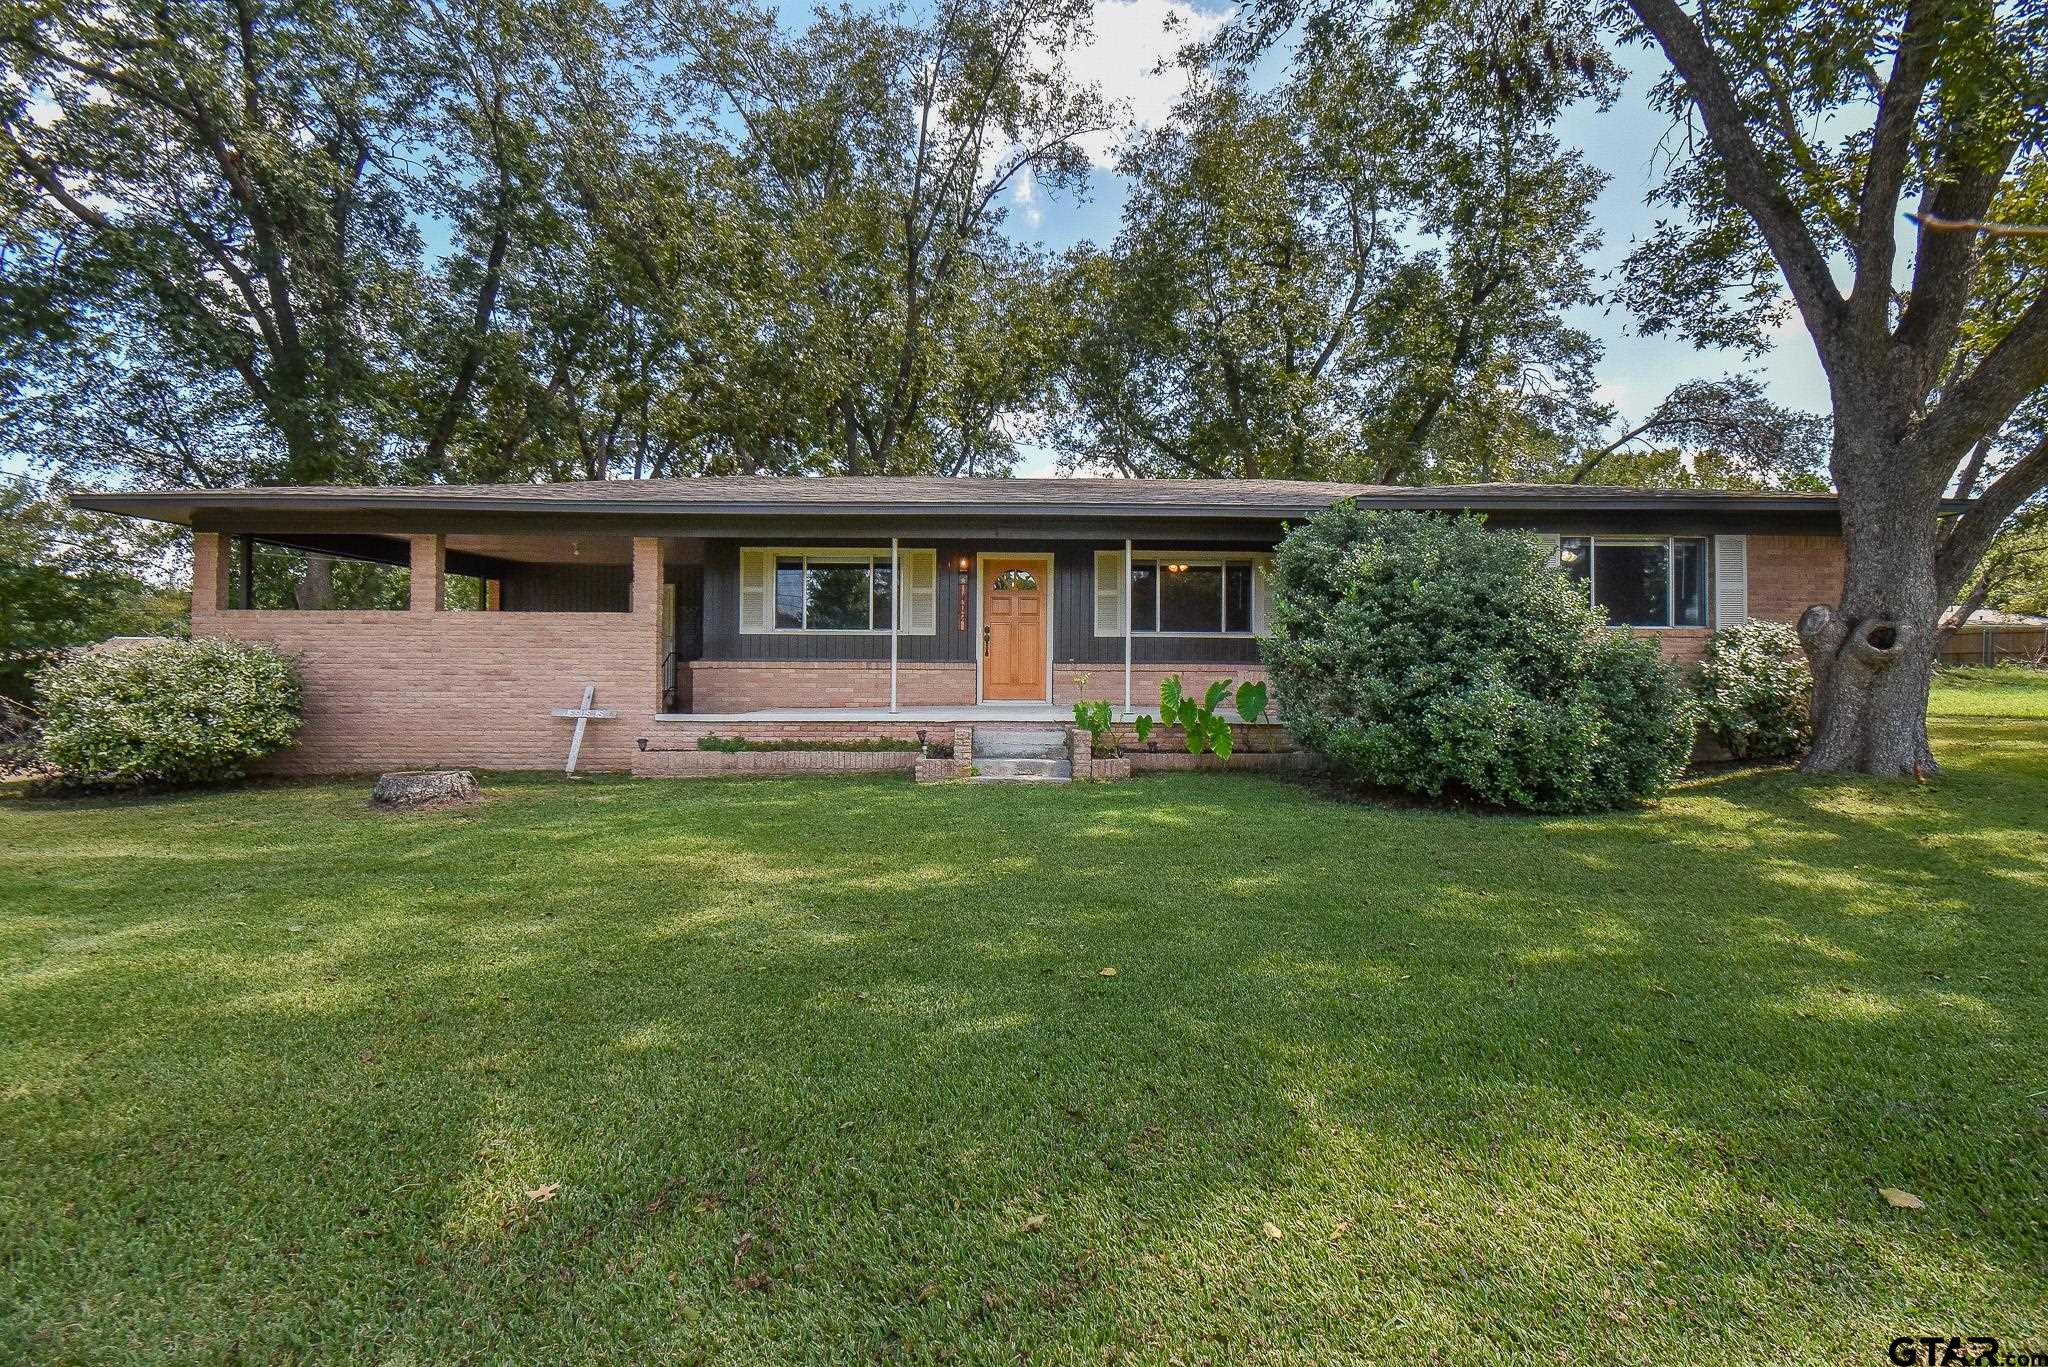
423,787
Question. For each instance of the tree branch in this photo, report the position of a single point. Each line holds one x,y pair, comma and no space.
1750,181
1898,107
1972,534
1976,406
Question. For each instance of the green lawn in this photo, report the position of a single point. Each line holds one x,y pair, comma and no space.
829,1069
2003,692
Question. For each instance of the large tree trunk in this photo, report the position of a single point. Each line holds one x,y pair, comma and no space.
1873,656
316,586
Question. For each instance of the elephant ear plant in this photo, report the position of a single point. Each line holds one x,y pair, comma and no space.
1093,717
1198,718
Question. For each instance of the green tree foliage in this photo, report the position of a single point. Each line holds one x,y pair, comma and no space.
1801,133
1822,123
815,217
1360,273
69,578
1365,273
407,240
1433,655
217,270
1714,434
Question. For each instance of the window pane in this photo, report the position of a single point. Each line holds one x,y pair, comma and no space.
885,601
789,594
836,596
1631,583
1237,597
1191,598
1691,553
1144,596
1016,581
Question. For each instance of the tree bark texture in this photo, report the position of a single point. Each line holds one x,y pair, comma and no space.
1873,655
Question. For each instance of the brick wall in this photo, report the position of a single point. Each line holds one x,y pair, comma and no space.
747,685
1789,574
428,688
1680,645
713,763
1107,681
684,735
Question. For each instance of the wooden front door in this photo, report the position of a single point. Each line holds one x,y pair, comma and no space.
1013,623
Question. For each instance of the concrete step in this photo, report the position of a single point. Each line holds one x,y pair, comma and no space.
1022,770
1007,743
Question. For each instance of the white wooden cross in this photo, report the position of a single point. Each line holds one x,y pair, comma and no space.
584,715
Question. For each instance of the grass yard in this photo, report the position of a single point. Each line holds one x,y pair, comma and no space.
2005,691
830,1070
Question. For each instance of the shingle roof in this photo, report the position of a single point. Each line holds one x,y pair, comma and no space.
868,495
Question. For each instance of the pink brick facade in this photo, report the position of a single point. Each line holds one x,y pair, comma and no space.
1789,574
746,685
426,688
1107,681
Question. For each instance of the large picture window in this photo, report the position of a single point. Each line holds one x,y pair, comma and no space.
1191,598
1641,581
820,593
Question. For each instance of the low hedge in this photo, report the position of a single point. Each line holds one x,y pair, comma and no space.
166,713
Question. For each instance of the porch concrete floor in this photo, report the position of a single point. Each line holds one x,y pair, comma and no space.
987,712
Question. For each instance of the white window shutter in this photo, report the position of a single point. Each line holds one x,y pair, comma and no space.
921,602
757,592
1262,593
1551,544
1731,581
1109,593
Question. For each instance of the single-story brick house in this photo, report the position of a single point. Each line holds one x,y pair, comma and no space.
824,606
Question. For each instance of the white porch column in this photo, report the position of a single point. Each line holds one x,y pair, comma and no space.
895,616
1126,597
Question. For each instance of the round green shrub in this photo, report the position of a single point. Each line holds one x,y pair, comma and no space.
1427,653
166,712
1756,692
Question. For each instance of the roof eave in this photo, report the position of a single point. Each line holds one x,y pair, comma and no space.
179,505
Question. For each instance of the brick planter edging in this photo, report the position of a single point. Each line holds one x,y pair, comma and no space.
707,763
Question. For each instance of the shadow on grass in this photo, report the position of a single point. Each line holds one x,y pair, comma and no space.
805,1058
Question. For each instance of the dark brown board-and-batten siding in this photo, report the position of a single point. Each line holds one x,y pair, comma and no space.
723,641
1074,638
567,588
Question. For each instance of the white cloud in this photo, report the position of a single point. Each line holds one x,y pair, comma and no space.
1027,199
1131,58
